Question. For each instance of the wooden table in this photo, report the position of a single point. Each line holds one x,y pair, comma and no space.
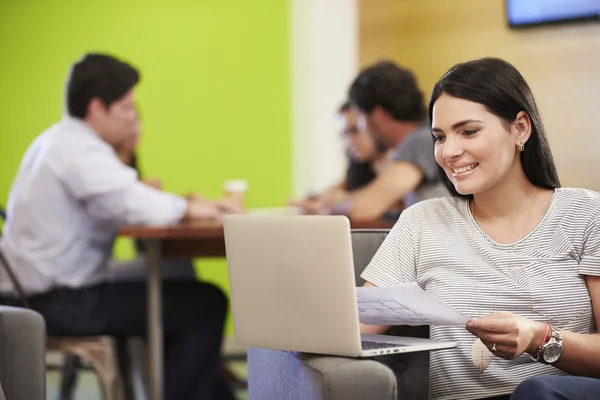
190,240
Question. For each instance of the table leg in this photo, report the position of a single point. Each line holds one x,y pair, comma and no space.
155,327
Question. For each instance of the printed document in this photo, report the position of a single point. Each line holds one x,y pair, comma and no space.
405,304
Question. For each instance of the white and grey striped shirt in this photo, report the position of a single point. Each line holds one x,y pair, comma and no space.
438,244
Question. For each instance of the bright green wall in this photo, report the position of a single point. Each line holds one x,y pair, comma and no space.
214,95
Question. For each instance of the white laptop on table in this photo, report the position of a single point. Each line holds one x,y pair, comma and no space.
293,288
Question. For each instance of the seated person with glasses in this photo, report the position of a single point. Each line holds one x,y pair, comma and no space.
367,158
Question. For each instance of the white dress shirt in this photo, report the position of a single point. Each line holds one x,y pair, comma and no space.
69,199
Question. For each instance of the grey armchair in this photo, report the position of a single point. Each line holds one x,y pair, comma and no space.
22,354
285,375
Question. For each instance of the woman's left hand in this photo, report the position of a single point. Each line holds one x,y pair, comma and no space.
229,206
511,334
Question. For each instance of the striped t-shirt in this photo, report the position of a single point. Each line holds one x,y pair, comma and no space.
438,244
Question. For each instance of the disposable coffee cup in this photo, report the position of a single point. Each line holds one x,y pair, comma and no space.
236,189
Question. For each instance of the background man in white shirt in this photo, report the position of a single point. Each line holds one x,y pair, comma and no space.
69,199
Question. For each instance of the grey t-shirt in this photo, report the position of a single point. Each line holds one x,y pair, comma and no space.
417,149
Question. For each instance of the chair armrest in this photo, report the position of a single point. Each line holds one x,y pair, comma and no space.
22,354
276,374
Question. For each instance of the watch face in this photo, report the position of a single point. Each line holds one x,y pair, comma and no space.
552,353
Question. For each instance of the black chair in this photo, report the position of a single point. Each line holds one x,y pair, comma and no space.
107,355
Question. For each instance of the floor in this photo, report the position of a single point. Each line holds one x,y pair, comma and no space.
87,385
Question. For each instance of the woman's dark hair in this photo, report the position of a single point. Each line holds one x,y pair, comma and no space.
344,107
358,175
498,86
391,87
98,76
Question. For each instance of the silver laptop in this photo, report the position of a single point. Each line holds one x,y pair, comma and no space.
293,288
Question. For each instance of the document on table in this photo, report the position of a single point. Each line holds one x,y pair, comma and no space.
405,304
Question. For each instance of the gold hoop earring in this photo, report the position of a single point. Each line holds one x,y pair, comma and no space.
520,147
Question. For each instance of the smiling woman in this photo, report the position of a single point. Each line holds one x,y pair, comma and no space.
510,248
489,97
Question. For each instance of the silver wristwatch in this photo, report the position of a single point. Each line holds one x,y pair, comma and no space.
551,351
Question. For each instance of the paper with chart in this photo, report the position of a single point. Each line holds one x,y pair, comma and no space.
405,304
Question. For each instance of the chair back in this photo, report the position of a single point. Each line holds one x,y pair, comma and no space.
365,243
10,272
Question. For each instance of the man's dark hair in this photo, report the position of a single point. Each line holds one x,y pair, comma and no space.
101,76
391,87
500,87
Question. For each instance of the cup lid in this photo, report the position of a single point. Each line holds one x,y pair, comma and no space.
236,185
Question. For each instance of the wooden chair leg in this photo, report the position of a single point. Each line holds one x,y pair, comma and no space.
68,380
107,368
138,351
125,367
103,358
108,357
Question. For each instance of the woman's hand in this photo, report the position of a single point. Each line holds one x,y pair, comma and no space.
229,206
316,205
512,334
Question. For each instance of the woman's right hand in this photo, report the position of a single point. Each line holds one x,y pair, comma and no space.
373,329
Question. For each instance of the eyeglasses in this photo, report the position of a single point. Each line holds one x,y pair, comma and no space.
350,131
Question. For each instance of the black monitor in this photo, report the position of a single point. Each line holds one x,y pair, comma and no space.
536,12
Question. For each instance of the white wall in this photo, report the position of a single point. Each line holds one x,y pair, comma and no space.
324,63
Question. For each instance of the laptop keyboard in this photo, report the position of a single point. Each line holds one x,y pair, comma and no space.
378,345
